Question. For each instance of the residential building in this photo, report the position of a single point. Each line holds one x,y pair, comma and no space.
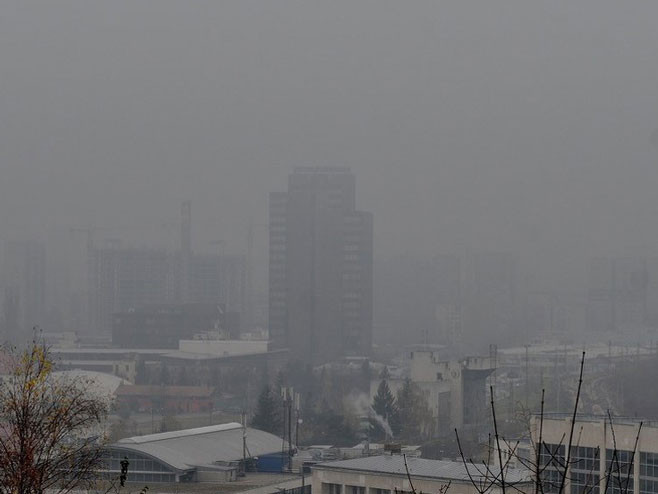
320,268
388,475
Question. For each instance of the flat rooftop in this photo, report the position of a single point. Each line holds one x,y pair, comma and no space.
256,482
453,471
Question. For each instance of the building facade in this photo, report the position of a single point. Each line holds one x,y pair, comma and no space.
603,454
455,390
320,267
388,475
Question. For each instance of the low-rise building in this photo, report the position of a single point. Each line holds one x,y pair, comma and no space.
215,453
455,389
388,475
117,361
165,399
596,442
223,348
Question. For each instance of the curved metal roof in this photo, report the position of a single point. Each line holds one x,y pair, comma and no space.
204,447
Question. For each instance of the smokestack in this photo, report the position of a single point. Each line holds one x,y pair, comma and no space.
186,249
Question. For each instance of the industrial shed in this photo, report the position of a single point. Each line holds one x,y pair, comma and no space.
204,454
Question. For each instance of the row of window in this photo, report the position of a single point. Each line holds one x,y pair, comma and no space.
585,458
584,483
649,464
551,480
620,484
114,464
648,486
152,477
355,489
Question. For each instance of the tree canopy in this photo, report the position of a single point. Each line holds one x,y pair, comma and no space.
267,416
50,435
387,420
415,416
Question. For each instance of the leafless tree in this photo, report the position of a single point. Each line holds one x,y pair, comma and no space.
50,425
443,488
547,457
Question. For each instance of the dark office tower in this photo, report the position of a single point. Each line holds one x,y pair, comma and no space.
24,275
320,270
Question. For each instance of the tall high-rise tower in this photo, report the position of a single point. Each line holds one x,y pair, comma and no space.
320,270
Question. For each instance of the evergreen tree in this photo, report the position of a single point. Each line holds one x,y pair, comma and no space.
414,413
165,379
386,408
267,416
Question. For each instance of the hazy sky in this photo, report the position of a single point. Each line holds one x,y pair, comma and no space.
470,125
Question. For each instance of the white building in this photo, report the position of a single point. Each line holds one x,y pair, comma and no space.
595,445
388,474
455,389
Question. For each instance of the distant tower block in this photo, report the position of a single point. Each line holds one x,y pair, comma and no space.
186,249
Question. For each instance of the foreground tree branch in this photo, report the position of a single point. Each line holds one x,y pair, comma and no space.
50,426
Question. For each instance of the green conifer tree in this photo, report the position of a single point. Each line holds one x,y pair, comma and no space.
414,413
385,406
267,416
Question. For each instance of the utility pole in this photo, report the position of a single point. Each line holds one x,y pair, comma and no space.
244,441
249,302
527,381
298,420
290,399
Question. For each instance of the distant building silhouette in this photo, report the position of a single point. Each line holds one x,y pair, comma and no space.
24,282
320,267
617,293
418,300
128,279
491,308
